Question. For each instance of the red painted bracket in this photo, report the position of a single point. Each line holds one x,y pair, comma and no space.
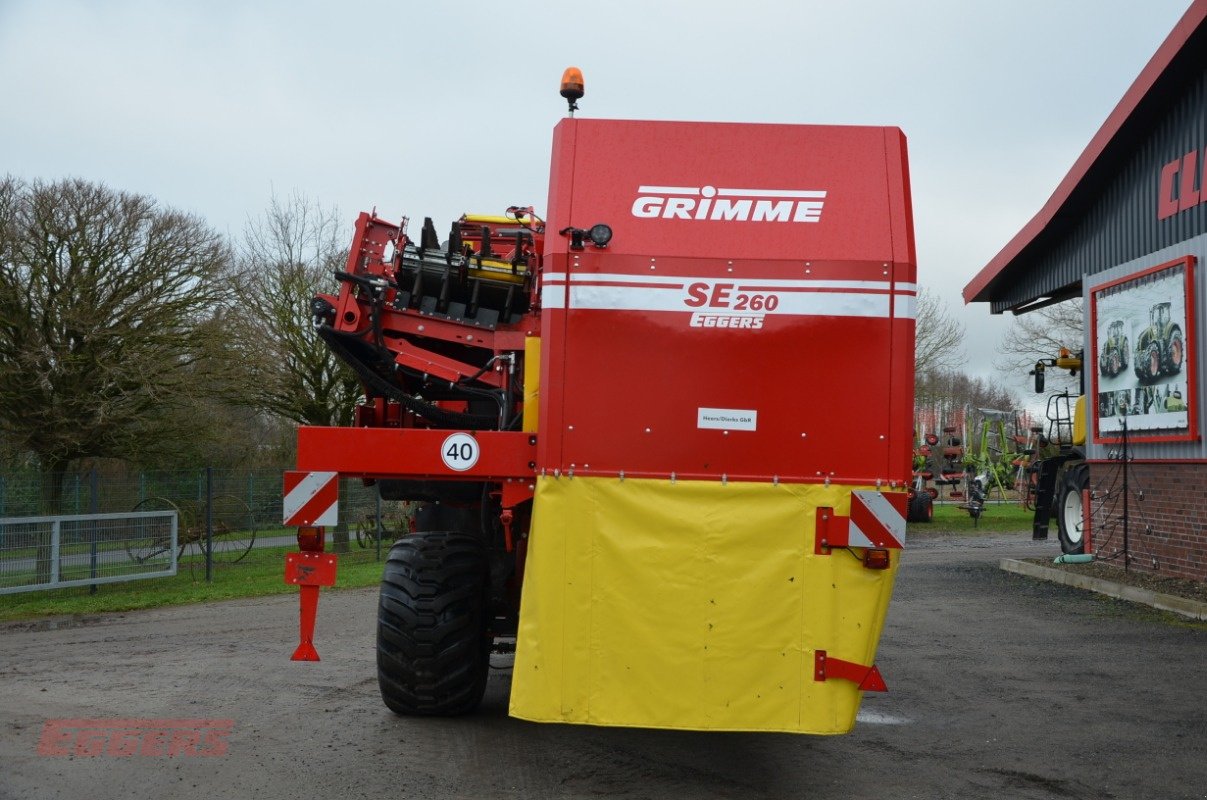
868,679
309,571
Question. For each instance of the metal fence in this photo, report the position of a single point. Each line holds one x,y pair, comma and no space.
239,511
53,552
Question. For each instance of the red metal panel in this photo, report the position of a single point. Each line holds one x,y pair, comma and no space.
775,345
553,326
619,157
420,453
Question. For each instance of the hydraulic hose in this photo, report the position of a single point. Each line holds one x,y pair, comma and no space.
373,379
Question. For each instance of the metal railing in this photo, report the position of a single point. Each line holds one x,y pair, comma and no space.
54,552
224,516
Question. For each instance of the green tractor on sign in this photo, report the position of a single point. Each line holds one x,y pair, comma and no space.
1160,348
1114,354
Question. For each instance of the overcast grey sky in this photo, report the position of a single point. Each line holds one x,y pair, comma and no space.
436,108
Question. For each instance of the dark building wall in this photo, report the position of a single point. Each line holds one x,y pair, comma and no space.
1167,517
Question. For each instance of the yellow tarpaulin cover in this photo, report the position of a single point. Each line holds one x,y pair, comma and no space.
691,605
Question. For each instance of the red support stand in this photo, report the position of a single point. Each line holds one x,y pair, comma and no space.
309,571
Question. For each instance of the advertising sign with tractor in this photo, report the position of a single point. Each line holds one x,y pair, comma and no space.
1161,346
1113,356
1142,326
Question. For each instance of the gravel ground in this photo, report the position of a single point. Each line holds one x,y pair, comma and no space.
999,687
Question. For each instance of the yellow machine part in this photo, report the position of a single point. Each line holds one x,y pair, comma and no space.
496,270
1079,421
691,605
495,219
532,382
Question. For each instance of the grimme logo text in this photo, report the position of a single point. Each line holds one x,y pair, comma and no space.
729,205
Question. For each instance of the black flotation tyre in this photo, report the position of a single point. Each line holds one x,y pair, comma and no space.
433,638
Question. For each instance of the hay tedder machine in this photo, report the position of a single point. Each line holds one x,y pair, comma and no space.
613,425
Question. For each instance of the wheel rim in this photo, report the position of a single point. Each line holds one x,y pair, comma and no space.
1073,516
234,529
1175,350
155,544
1154,363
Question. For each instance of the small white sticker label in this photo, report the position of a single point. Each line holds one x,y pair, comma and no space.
460,452
727,419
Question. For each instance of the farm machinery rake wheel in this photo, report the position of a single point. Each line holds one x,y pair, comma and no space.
156,541
433,639
234,529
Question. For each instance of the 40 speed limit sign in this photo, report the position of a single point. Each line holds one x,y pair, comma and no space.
460,452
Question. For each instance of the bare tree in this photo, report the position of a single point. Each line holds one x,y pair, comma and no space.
104,298
949,397
937,338
287,255
1041,334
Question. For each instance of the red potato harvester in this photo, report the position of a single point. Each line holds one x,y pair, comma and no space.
662,439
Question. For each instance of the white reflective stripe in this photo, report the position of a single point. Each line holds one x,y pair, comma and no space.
650,280
672,280
632,298
796,297
330,516
553,296
905,306
884,512
691,190
806,284
857,538
771,193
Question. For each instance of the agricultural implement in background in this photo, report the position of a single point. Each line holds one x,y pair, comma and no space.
611,426
1061,474
938,461
991,462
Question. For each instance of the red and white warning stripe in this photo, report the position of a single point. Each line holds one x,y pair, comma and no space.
311,498
877,519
